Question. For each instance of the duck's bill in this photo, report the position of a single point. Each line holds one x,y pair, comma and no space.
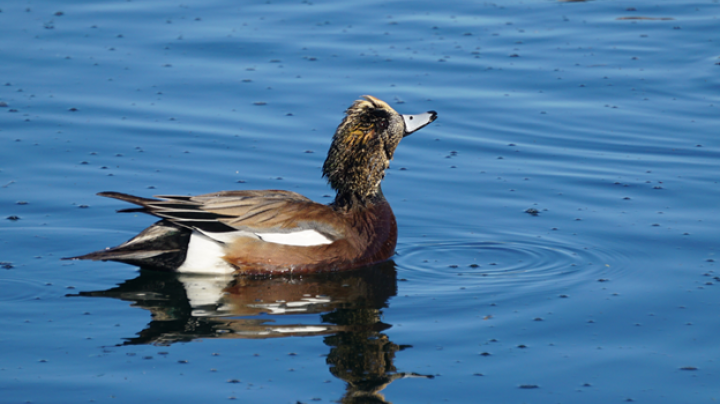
419,121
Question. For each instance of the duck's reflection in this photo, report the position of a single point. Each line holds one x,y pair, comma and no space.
186,307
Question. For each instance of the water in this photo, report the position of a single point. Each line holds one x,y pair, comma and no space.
601,115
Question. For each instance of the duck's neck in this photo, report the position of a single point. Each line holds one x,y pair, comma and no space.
348,200
355,169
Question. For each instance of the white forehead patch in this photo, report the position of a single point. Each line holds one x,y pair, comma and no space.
415,122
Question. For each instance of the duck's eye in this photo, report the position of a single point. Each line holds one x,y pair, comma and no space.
382,124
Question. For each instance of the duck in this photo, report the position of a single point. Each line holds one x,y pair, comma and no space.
273,232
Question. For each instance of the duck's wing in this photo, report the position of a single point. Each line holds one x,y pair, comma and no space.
272,215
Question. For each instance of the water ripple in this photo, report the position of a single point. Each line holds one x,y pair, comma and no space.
20,290
512,264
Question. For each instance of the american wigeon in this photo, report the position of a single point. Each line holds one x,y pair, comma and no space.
271,232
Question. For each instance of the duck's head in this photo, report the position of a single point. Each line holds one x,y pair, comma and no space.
364,144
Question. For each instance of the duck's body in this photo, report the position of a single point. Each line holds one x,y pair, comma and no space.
271,232
255,232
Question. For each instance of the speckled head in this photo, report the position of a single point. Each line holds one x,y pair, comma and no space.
364,144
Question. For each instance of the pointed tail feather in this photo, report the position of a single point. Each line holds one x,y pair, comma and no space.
119,254
162,246
137,200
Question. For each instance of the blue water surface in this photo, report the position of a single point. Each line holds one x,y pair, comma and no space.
558,222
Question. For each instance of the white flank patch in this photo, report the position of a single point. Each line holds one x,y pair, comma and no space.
415,122
204,256
303,238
